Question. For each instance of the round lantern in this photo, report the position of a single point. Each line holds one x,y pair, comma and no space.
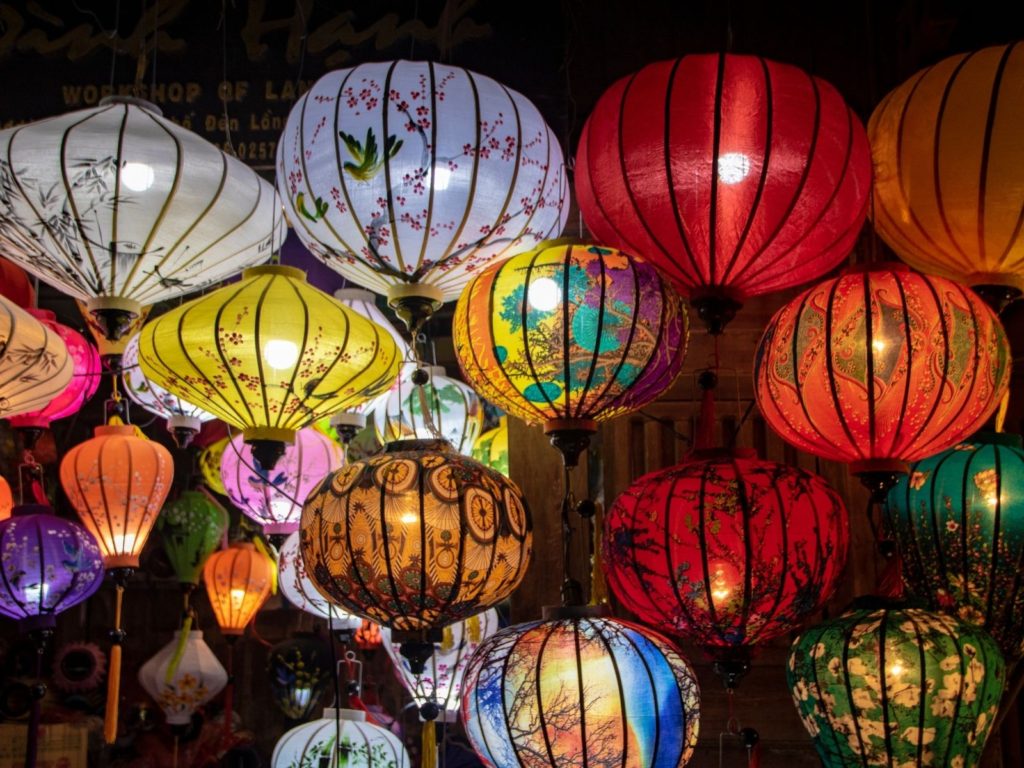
491,448
416,537
901,687
437,690
299,673
455,410
880,366
301,592
569,335
15,285
237,582
191,528
84,382
577,689
958,518
49,565
35,366
6,499
183,418
407,176
132,210
364,303
274,498
183,676
734,175
342,738
270,354
948,160
209,465
117,483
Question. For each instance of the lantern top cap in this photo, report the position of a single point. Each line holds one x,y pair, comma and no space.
275,269
132,101
877,266
353,715
109,430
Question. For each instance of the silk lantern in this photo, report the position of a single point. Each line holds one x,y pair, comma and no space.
191,528
6,499
958,519
15,285
947,163
734,175
132,210
569,335
455,411
880,366
579,689
209,465
35,366
274,498
491,448
342,738
301,592
299,674
270,354
896,686
183,676
238,581
408,176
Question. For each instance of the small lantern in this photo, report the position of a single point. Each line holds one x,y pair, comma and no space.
35,366
191,528
299,673
491,448
183,676
238,581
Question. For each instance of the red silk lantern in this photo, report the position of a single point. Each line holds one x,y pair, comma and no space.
733,174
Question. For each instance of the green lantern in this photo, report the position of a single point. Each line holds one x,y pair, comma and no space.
890,686
191,528
959,520
491,448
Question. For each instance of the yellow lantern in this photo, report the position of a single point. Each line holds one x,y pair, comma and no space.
948,162
270,354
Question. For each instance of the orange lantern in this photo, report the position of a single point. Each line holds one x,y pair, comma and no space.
6,499
238,582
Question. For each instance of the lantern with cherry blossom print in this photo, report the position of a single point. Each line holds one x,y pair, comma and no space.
238,581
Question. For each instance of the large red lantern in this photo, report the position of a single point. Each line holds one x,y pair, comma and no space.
734,175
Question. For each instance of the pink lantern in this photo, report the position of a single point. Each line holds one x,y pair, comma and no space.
84,381
274,499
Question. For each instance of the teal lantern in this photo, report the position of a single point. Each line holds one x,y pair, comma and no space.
191,528
958,518
891,686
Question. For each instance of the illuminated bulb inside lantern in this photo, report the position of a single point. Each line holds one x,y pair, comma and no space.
127,543
720,588
896,668
992,500
302,696
280,508
138,177
544,294
878,345
409,518
36,593
733,167
237,598
441,178
280,353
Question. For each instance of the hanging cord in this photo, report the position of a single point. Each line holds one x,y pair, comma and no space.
38,692
117,636
749,738
890,579
420,378
572,591
229,145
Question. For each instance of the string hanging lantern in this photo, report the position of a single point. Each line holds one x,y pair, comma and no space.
491,448
132,210
35,366
191,529
880,366
568,335
238,581
578,689
947,160
342,738
958,518
735,175
896,686
299,674
183,676
407,176
270,354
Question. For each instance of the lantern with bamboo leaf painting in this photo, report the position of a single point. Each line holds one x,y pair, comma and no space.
191,528
299,674
569,335
183,676
35,366
342,738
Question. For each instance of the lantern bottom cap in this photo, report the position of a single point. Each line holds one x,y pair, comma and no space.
118,562
279,434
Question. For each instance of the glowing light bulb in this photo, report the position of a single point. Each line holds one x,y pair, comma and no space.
441,178
35,594
992,500
127,543
280,353
720,589
237,598
878,345
896,668
544,294
733,167
409,518
302,696
138,177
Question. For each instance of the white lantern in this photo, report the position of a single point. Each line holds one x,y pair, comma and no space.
440,684
121,208
181,680
34,363
183,418
409,176
340,733
302,593
455,408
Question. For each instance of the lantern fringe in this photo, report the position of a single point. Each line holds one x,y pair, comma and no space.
598,583
179,651
114,674
428,745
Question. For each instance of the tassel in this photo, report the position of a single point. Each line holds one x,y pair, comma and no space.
598,585
447,640
1004,405
114,674
179,651
428,745
473,630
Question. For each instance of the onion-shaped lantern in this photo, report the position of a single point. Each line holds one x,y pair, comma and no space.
274,498
238,581
15,284
569,335
880,366
948,159
183,676
49,565
342,738
726,552
191,528
301,592
406,177
117,482
209,465
131,211
958,519
577,689
299,674
455,410
35,366
491,448
437,690
734,175
901,687
84,382
270,354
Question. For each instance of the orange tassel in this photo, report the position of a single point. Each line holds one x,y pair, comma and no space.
114,677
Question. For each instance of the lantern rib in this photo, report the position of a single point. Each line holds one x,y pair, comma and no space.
953,637
575,623
705,474
784,567
41,607
250,416
424,241
673,579
990,120
421,503
602,287
474,175
375,610
387,162
457,582
549,630
386,550
870,301
114,550
526,328
922,662
303,402
847,639
716,146
883,679
830,369
965,510
129,503
820,697
624,637
566,341
911,357
9,588
116,207
257,332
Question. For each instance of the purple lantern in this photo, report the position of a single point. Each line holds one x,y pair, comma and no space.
274,499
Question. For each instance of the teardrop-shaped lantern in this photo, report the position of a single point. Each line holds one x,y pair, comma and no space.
35,366
238,581
191,528
183,676
340,739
